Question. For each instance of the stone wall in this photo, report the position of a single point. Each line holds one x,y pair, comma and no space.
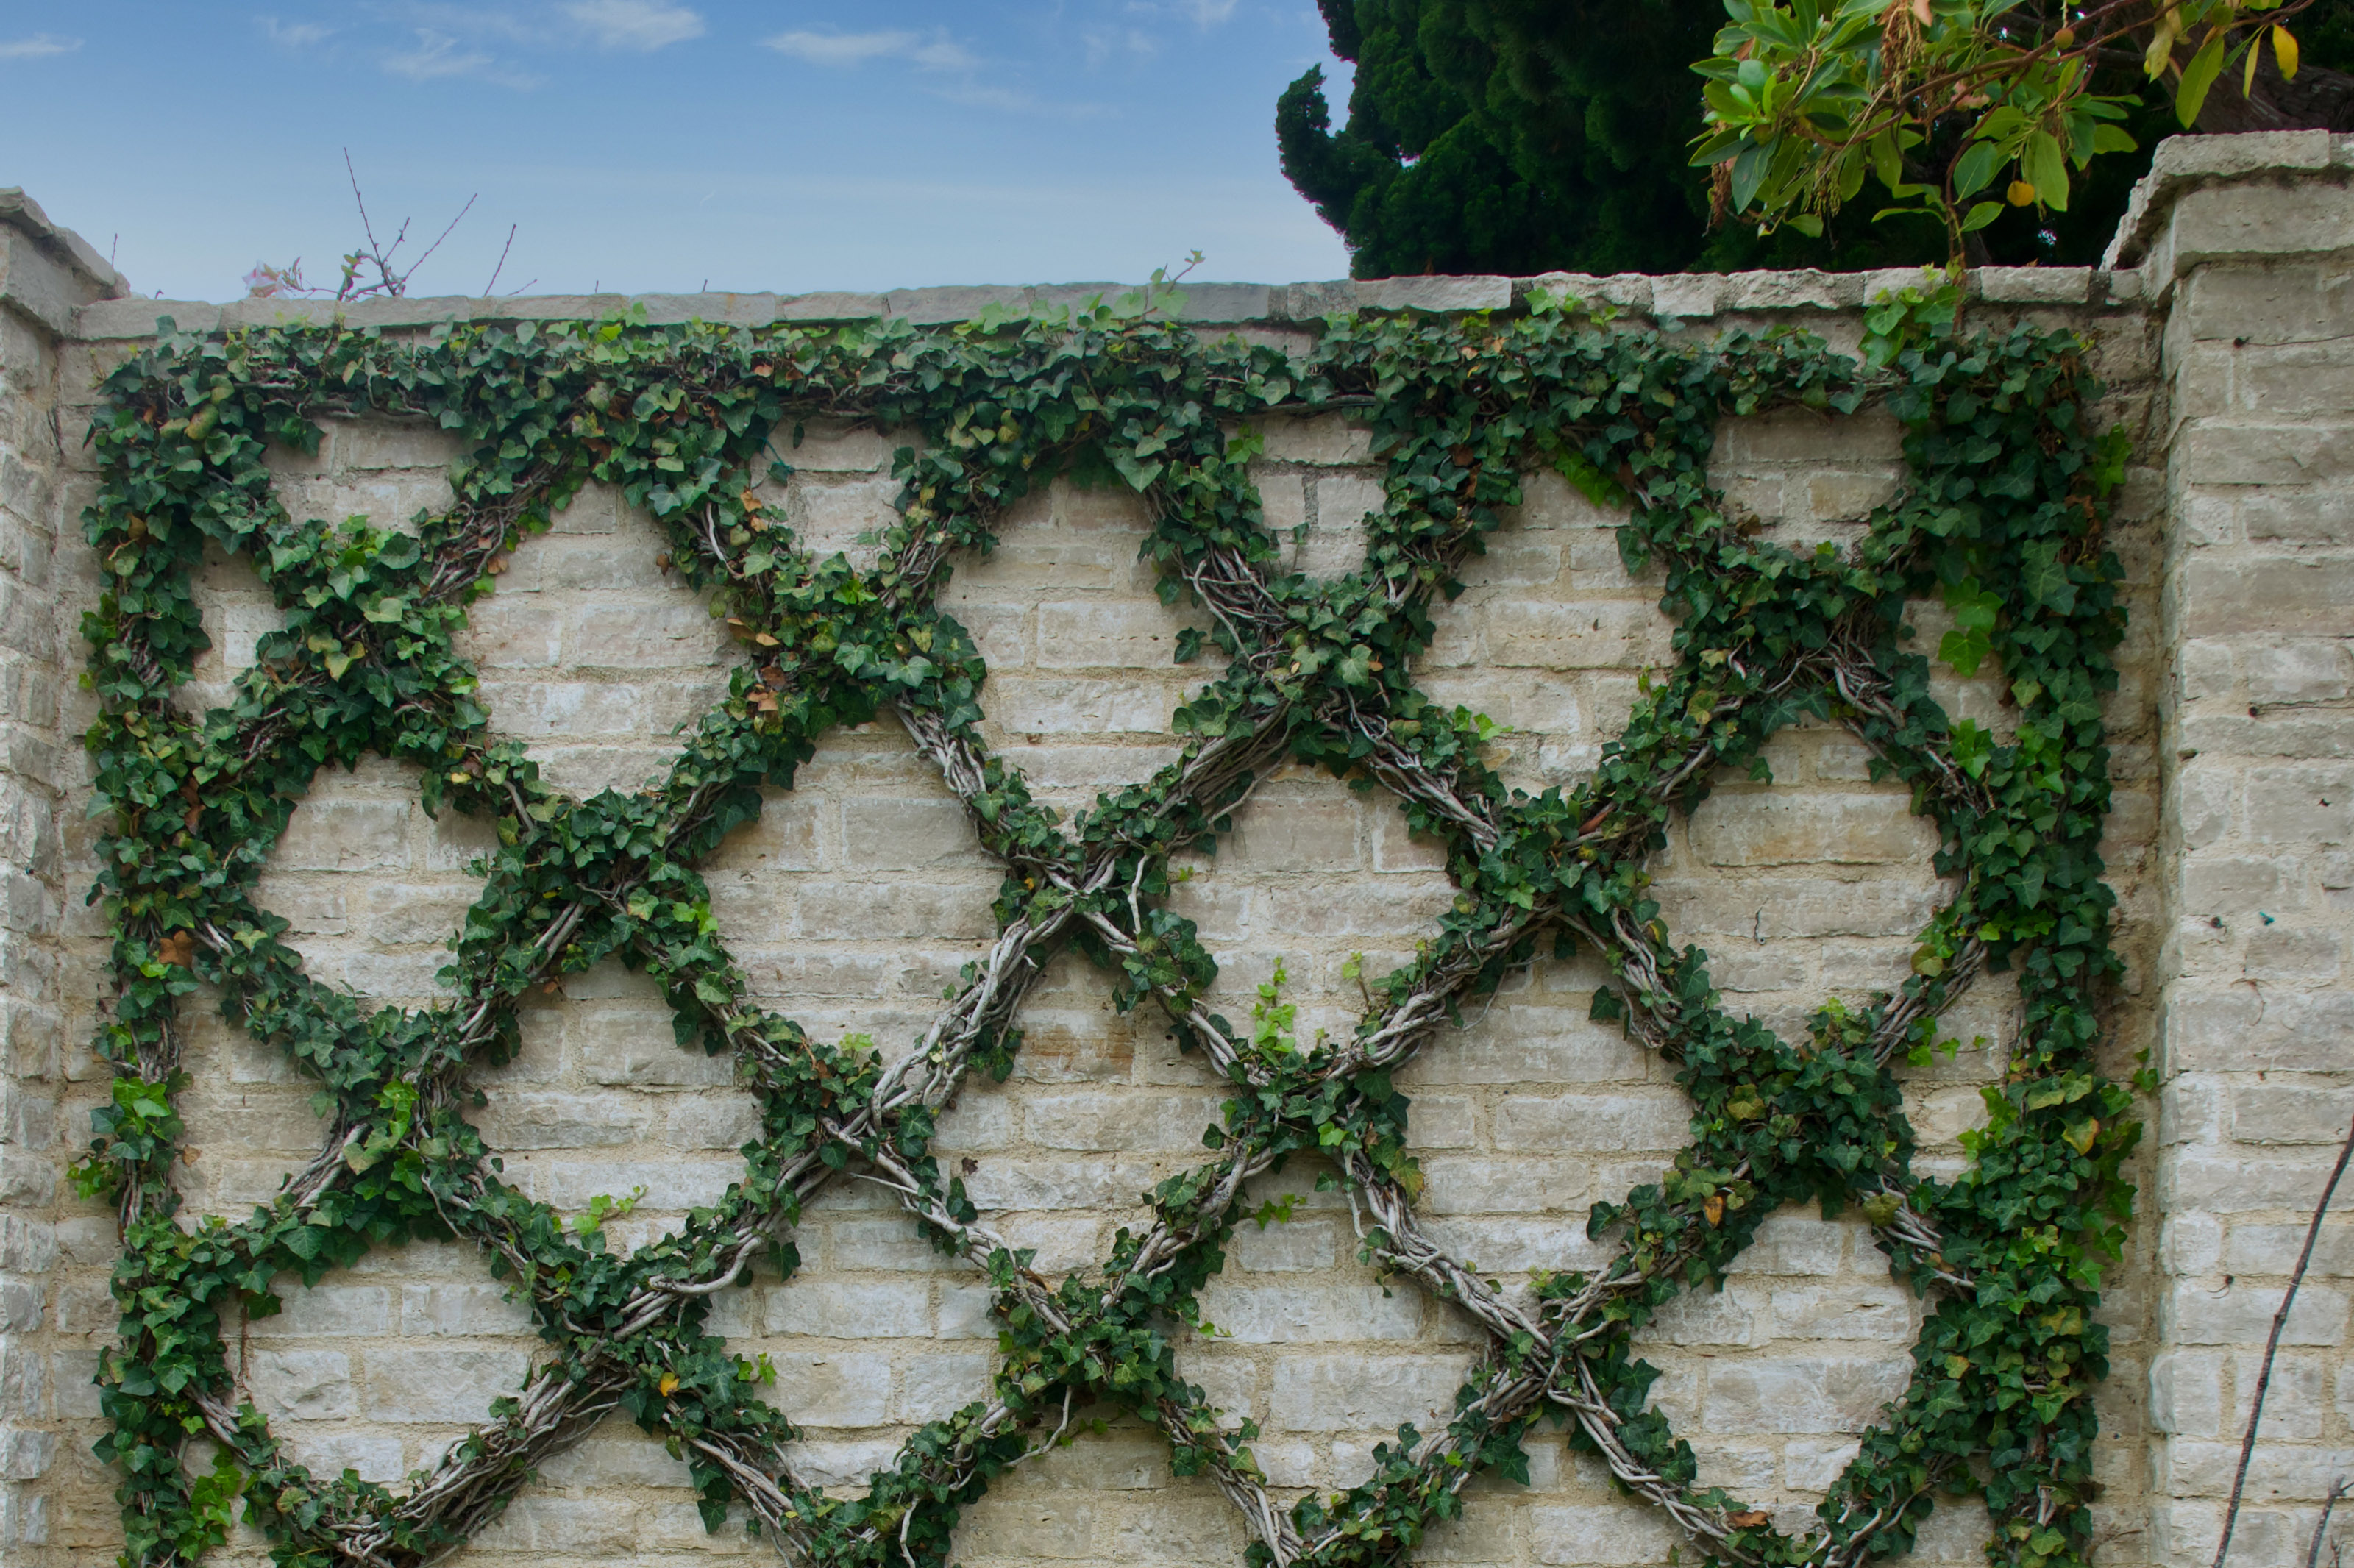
45,274
2252,274
856,898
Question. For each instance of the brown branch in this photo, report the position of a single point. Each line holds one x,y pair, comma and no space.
389,282
445,234
2271,1346
494,283
2321,1531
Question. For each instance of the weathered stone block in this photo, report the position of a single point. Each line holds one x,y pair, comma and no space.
1601,1535
1344,1393
1779,828
1435,293
441,1385
1123,634
306,1385
850,1388
325,1310
828,1308
1803,1393
469,1311
2034,285
327,833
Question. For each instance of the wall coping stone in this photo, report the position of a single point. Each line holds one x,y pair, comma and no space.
47,272
23,213
2184,164
1672,298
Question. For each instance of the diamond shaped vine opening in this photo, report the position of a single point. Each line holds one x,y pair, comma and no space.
893,1190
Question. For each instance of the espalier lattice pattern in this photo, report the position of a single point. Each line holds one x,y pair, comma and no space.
2003,516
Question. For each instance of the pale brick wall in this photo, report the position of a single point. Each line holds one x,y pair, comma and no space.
2255,271
46,273
856,897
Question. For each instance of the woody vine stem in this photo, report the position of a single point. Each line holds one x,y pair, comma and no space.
2003,518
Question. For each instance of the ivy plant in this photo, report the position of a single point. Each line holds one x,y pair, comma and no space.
2004,516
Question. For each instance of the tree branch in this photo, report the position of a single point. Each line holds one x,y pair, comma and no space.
2271,1348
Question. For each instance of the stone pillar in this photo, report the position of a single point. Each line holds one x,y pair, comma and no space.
2246,244
45,274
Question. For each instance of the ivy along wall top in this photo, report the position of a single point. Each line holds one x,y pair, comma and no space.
857,895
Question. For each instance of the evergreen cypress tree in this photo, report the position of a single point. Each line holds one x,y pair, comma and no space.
1508,136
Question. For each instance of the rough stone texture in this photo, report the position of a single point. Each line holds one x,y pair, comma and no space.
857,895
45,274
2257,845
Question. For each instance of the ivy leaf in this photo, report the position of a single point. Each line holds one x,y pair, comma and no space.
1140,476
2045,576
1590,482
1973,746
1975,609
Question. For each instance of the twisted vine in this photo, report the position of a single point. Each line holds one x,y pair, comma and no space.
2003,517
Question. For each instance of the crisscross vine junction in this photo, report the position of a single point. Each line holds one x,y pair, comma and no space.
2003,516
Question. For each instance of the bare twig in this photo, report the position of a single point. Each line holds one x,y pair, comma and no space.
490,287
392,284
439,237
2321,1531
381,257
366,228
2271,1346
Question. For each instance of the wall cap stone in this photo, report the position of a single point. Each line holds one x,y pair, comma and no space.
24,214
1674,297
2186,163
47,272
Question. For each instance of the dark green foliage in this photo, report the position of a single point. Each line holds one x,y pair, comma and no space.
1524,137
1518,136
2003,519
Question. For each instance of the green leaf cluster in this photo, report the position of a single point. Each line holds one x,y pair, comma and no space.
2004,516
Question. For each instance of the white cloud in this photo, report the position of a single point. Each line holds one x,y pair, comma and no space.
293,35
1104,43
937,55
41,45
971,95
945,54
1202,13
1010,101
939,52
644,25
436,55
437,58
843,48
476,21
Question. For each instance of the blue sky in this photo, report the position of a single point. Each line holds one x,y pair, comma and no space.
651,145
